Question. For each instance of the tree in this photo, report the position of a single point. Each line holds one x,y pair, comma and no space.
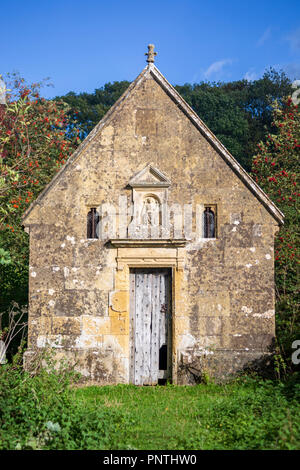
237,112
36,138
89,108
240,112
276,170
222,113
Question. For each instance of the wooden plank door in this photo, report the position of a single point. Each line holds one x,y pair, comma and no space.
150,321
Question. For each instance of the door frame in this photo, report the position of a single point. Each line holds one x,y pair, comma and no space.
170,357
151,254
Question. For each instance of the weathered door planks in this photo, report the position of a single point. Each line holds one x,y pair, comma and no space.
150,324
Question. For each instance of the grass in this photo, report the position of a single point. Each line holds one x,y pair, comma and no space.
44,411
246,414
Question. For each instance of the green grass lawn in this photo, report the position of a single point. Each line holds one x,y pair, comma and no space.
44,411
247,414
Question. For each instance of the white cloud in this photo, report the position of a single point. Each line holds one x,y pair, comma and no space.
217,67
250,75
292,70
265,36
294,39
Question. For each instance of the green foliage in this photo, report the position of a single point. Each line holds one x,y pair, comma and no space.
257,417
13,328
35,141
36,138
5,258
244,414
276,170
39,411
222,113
237,112
44,409
89,108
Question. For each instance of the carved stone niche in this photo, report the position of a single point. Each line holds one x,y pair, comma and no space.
149,197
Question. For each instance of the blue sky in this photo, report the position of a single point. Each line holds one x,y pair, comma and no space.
81,45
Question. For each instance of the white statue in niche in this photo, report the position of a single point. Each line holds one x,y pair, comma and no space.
150,217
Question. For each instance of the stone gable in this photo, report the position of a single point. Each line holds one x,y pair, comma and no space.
148,152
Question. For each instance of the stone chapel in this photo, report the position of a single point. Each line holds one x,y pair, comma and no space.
151,250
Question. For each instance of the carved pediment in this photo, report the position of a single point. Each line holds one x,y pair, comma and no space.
149,177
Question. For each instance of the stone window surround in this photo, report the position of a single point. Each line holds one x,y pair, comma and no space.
214,208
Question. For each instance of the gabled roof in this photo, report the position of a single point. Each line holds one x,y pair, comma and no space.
194,118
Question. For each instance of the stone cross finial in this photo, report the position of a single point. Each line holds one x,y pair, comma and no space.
150,54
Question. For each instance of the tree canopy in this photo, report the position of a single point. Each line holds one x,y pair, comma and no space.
238,112
275,167
36,138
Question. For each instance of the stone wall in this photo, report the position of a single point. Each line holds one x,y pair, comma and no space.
223,289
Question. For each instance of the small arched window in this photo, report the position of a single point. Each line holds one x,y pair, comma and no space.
209,223
92,223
